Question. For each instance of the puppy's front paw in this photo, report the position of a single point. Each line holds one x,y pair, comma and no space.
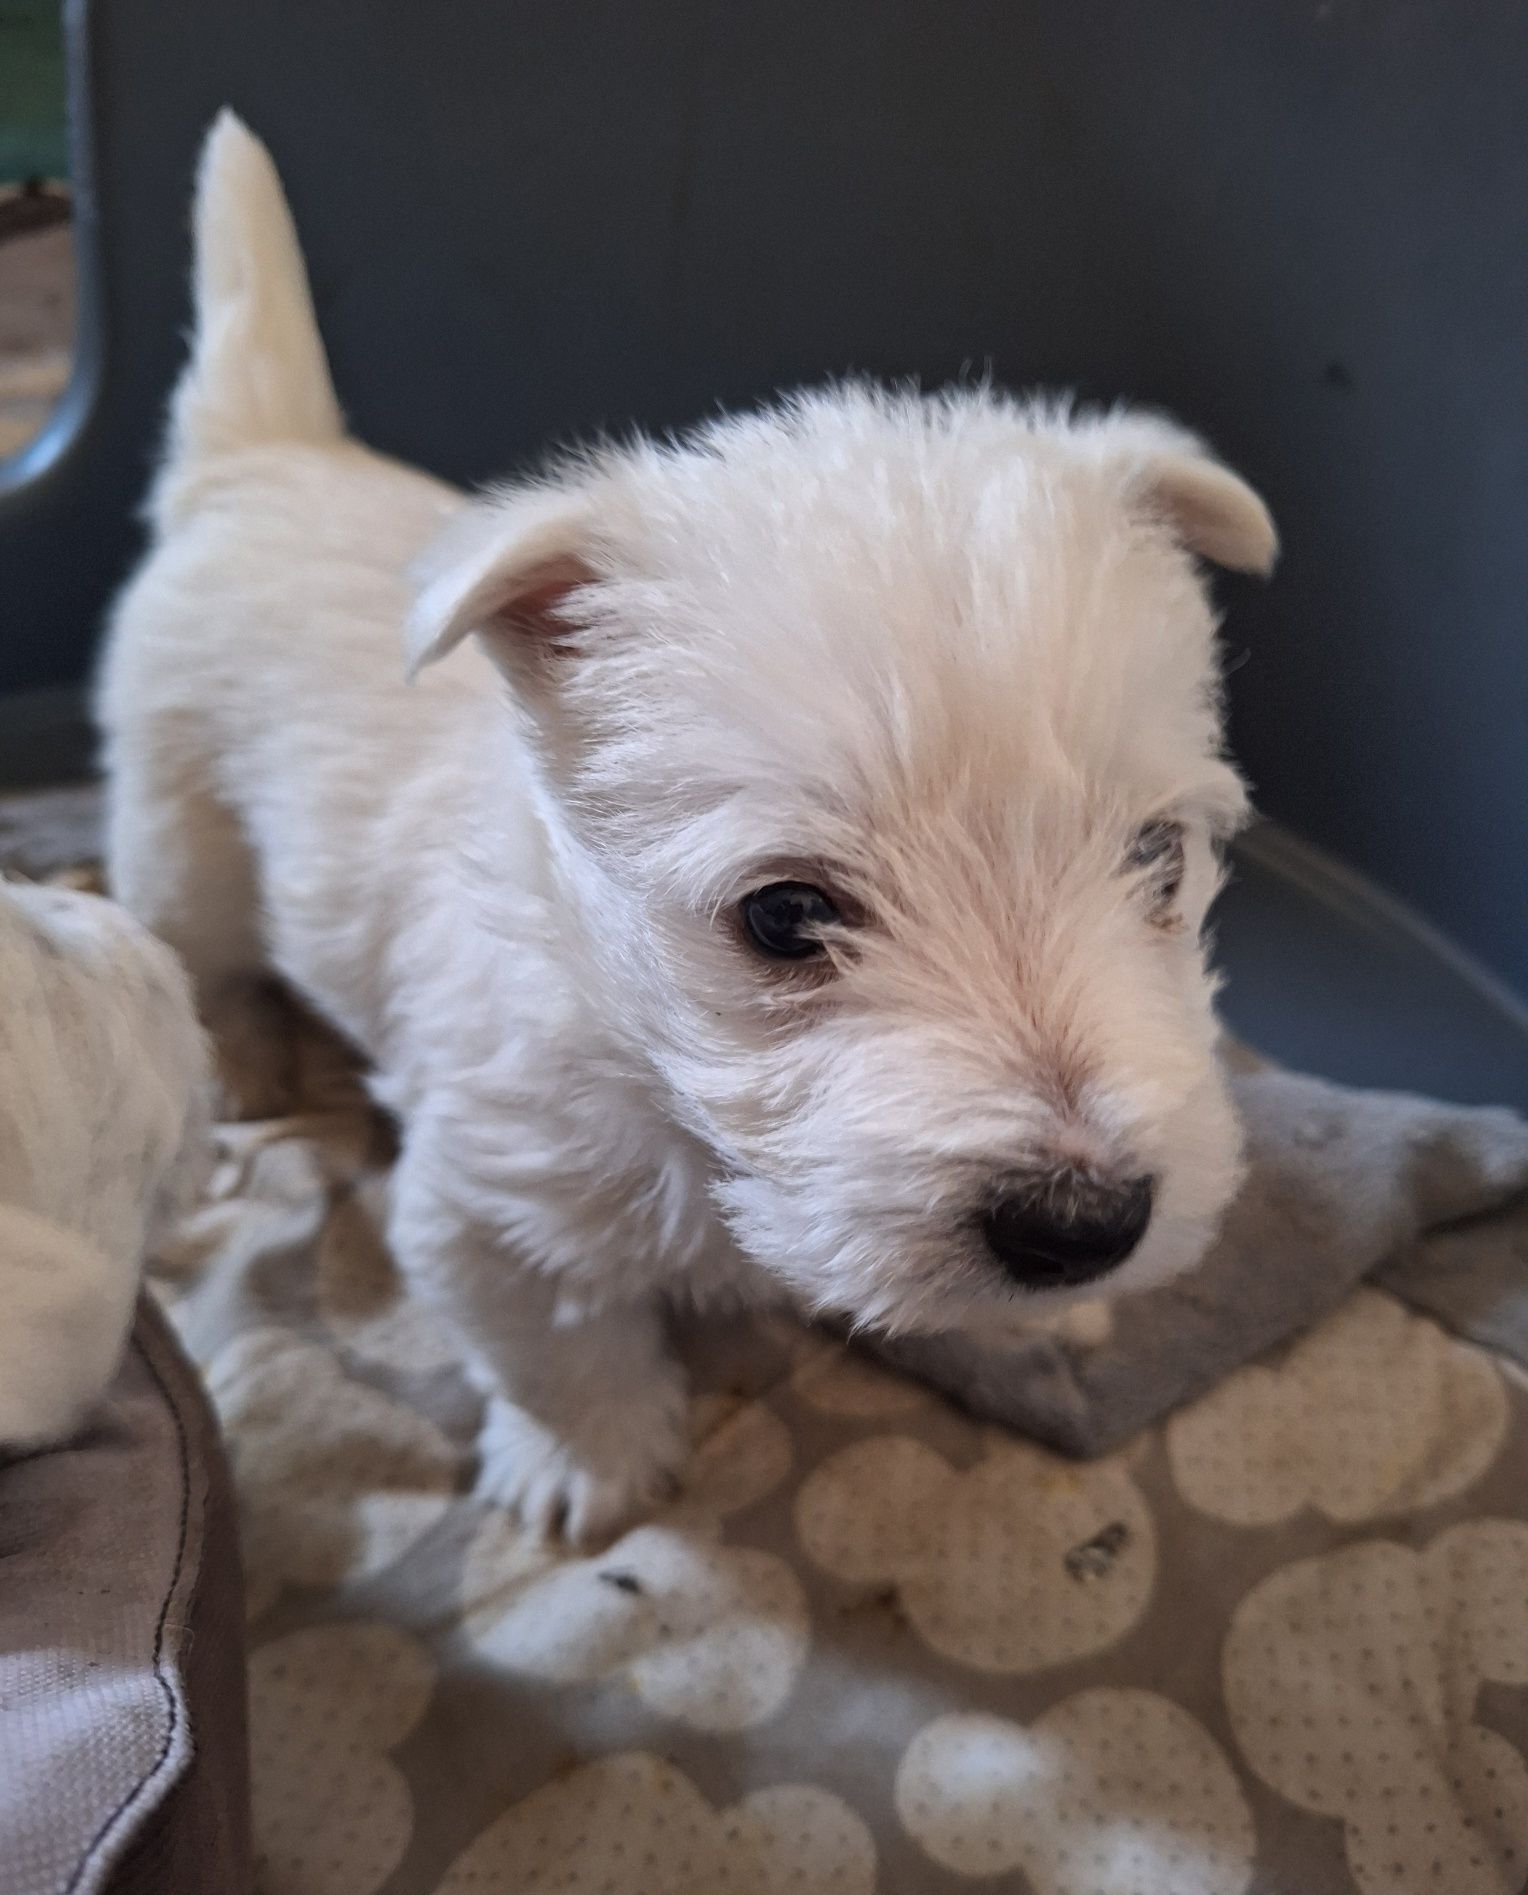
621,1462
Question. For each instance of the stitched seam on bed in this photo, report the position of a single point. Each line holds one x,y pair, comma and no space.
172,1724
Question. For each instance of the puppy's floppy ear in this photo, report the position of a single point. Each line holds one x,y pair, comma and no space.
503,569
1215,514
1211,512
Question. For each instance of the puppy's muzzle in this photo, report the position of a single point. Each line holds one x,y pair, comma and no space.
1055,1230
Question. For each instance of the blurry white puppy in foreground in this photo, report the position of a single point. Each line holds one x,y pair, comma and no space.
785,877
103,1075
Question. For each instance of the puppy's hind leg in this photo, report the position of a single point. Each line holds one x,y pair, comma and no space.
178,859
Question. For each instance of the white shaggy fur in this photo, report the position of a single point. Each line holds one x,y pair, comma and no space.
102,1136
950,653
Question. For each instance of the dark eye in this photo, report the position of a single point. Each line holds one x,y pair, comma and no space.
1157,853
786,919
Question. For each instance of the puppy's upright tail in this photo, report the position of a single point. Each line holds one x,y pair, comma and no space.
257,371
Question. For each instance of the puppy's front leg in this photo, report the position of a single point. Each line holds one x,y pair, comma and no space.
585,1423
585,1420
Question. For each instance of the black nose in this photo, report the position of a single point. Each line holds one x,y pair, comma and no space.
1054,1230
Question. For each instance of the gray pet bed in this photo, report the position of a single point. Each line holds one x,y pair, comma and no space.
123,1753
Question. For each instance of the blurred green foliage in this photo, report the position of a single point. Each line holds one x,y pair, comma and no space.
32,136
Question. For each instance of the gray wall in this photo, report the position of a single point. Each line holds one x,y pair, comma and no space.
1299,226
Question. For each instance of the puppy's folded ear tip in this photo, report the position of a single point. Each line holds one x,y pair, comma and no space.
1174,478
1215,515
504,572
422,645
1262,554
434,626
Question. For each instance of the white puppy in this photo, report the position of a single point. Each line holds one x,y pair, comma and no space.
102,1138
786,876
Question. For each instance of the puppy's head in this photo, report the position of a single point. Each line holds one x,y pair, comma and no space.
880,739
